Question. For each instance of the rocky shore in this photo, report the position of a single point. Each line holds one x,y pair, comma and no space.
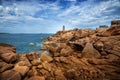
79,54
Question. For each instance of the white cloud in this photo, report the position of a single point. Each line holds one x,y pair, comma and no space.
51,16
73,9
87,14
33,18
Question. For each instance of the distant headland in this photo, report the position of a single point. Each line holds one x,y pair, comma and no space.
4,33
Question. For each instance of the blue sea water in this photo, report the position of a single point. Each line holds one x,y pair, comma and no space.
23,42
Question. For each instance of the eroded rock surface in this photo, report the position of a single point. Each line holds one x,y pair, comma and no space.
79,54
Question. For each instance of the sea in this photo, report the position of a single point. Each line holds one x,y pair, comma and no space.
25,43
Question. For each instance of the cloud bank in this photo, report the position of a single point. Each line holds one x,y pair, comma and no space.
48,16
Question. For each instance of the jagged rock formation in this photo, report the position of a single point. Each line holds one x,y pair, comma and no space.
79,54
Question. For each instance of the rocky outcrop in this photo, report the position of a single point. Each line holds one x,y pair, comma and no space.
89,51
10,75
45,57
114,29
87,54
5,66
79,54
7,53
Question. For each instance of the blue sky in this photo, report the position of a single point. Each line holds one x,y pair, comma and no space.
48,16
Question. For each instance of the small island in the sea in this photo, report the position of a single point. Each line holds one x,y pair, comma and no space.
4,33
78,54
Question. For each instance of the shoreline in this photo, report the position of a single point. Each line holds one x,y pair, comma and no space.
78,54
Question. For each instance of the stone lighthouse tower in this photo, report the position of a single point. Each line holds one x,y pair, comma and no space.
63,28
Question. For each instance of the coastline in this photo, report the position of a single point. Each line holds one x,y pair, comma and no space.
78,54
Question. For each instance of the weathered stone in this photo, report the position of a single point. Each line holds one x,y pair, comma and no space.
71,74
37,78
53,47
98,61
5,66
44,73
46,66
45,57
7,53
112,57
64,60
90,52
110,71
32,56
112,31
56,54
9,57
113,52
83,33
59,75
36,62
111,45
99,46
21,69
10,75
57,59
79,44
101,30
5,48
66,51
40,66
33,71
23,61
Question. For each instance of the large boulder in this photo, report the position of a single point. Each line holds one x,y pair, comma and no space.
21,69
23,65
7,53
9,57
90,52
78,44
66,51
23,61
10,75
99,45
33,71
33,55
45,73
46,66
52,47
5,66
36,62
45,57
8,47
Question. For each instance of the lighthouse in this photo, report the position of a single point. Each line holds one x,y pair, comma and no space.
63,28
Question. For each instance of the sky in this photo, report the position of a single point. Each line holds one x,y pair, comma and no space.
48,16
